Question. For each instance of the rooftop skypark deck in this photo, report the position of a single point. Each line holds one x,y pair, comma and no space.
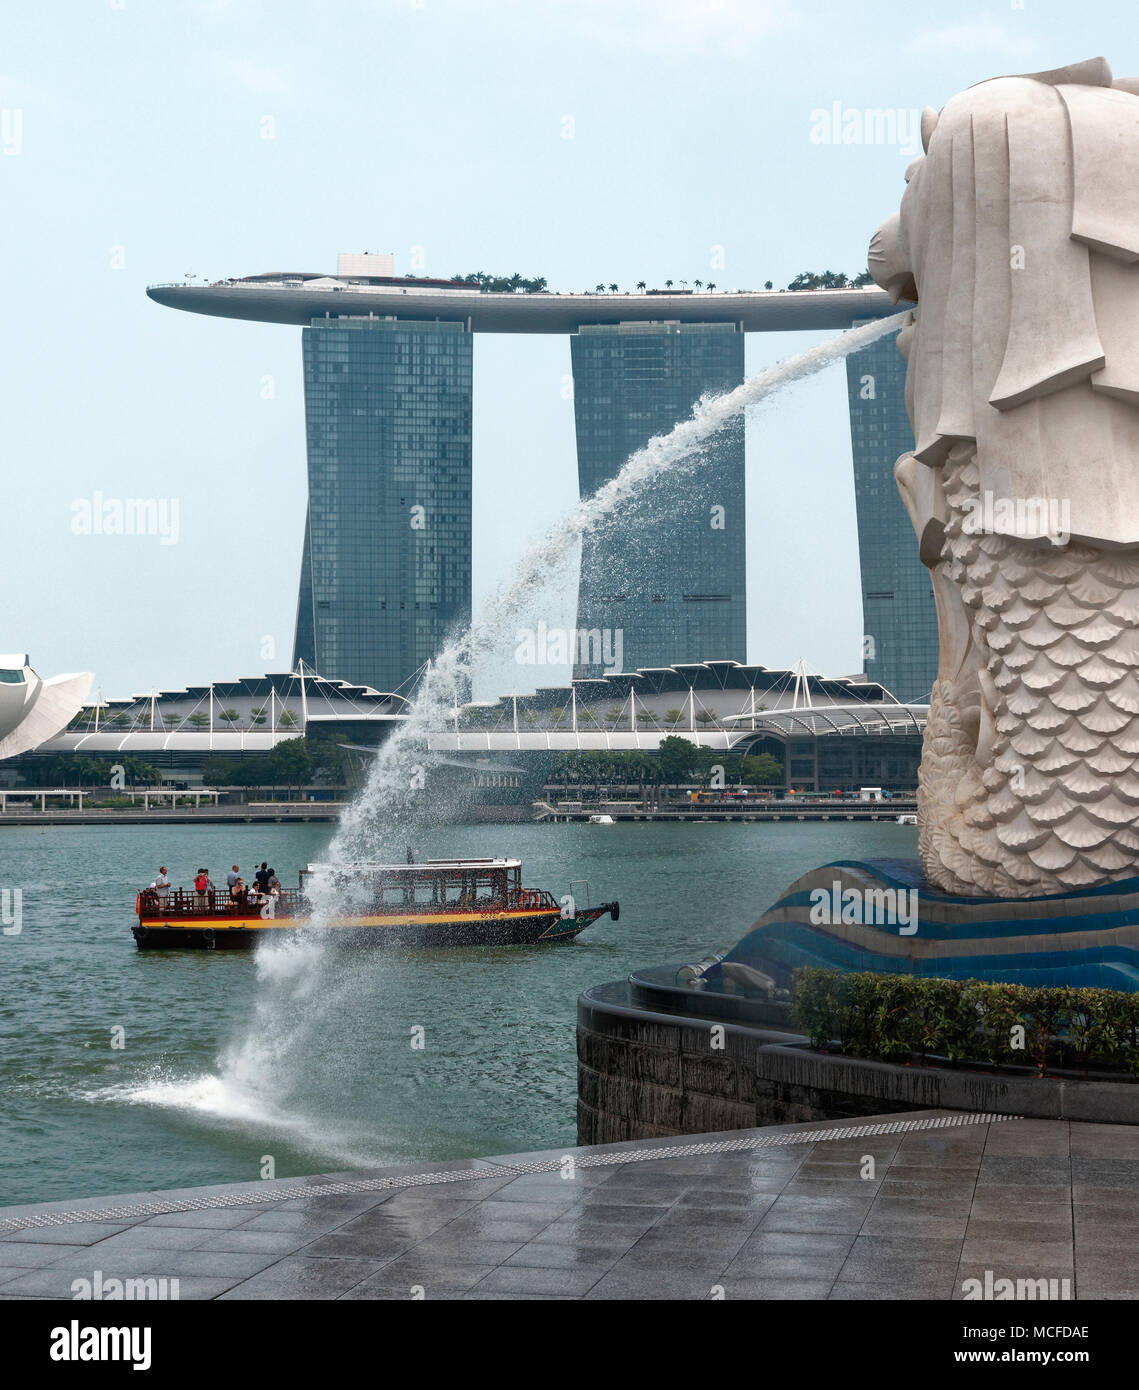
298,298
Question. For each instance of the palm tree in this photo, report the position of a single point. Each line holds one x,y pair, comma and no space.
613,288
640,284
198,720
668,284
673,716
711,284
260,715
287,719
705,716
230,716
600,289
698,283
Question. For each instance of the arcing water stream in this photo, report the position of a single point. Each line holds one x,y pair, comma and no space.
300,988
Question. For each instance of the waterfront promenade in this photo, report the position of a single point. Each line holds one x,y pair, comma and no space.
890,1207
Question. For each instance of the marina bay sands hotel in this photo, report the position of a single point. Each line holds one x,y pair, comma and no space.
386,570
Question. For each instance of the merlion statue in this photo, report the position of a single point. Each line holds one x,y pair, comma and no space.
1018,238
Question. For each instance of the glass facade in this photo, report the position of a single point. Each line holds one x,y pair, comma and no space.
669,576
386,572
899,618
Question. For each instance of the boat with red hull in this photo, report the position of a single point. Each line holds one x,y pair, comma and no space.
442,902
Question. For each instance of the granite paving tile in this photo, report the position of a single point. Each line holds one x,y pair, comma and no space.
763,1266
216,1218
995,1250
829,1244
895,1249
574,1281
144,1261
479,1250
1013,1228
31,1254
1103,1141
136,1238
761,1290
415,1270
297,1276
53,1282
564,1255
71,1233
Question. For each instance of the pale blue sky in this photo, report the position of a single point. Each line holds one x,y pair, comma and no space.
132,132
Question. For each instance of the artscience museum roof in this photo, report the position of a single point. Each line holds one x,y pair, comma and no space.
33,710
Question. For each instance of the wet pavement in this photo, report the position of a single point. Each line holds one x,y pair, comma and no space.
893,1207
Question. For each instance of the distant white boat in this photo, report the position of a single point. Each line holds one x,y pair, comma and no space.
602,820
907,818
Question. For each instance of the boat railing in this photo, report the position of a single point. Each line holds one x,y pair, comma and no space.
536,897
292,902
215,902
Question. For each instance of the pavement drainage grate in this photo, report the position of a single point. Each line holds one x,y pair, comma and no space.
264,1195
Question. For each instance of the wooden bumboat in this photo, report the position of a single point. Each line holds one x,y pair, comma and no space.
442,902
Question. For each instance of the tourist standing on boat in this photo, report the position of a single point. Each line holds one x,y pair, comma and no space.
237,891
274,884
232,876
162,885
261,877
202,885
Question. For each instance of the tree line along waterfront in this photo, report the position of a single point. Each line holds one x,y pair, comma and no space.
296,762
307,760
678,761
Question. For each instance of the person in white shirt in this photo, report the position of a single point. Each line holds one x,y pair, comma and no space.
162,884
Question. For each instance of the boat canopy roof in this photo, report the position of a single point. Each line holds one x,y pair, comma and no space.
427,866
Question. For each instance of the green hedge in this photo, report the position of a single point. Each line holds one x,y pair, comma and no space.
894,1017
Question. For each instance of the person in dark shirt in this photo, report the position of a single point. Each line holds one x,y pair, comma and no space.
261,877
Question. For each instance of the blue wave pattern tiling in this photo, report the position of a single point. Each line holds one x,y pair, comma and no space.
1086,937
